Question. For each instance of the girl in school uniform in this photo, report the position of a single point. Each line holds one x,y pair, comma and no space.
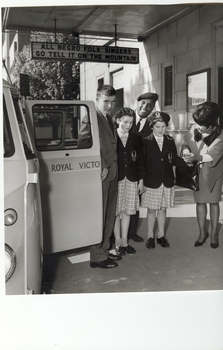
160,154
130,174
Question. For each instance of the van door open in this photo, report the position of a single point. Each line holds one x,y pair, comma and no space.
22,206
70,168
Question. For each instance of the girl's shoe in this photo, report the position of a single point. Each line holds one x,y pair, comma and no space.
120,250
163,242
199,244
130,250
214,245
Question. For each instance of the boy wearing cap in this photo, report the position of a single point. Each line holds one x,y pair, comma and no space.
160,155
145,105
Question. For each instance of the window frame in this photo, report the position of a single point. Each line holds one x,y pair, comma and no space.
206,92
164,66
64,142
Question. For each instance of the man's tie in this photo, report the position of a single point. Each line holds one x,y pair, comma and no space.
138,125
110,122
160,142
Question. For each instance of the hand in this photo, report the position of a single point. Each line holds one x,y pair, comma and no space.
186,157
186,151
141,188
190,158
104,174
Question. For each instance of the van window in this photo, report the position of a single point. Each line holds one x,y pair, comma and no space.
9,148
25,140
61,126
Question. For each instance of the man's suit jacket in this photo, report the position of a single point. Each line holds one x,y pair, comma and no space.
108,147
211,171
108,143
130,159
159,164
146,130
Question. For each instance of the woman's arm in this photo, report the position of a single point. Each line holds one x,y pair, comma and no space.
173,158
215,152
206,158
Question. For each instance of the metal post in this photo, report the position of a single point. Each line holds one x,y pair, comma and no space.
55,30
115,34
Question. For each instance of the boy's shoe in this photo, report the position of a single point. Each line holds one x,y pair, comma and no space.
105,264
114,257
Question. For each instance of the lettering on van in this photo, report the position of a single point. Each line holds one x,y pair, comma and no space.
56,168
61,167
89,165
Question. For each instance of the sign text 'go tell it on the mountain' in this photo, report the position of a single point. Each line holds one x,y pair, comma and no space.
61,51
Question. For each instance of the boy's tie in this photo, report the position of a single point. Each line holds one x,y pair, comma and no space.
110,122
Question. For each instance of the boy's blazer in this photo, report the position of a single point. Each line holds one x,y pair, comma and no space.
108,147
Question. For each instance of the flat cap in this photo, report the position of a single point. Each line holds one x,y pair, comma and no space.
148,96
159,116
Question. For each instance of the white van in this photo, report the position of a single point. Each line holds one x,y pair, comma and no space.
52,181
22,205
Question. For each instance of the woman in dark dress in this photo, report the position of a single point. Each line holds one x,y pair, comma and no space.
204,144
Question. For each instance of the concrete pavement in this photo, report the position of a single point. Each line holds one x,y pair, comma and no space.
181,267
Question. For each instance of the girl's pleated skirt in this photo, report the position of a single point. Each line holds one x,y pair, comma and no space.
128,198
155,198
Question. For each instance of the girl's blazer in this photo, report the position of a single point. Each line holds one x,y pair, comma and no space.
159,165
130,158
211,171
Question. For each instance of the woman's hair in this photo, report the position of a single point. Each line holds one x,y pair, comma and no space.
106,90
207,114
158,117
121,113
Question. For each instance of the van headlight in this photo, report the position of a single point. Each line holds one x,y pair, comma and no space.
10,262
10,217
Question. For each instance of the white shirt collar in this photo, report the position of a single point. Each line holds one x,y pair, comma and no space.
143,120
120,134
158,137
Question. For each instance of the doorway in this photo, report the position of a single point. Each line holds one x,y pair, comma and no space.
117,82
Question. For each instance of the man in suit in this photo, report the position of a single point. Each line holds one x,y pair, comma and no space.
105,102
145,105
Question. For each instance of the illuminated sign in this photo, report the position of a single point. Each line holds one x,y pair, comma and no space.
60,51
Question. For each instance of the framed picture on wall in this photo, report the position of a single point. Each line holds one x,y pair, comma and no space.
198,90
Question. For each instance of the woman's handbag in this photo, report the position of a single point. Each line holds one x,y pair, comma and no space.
188,177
